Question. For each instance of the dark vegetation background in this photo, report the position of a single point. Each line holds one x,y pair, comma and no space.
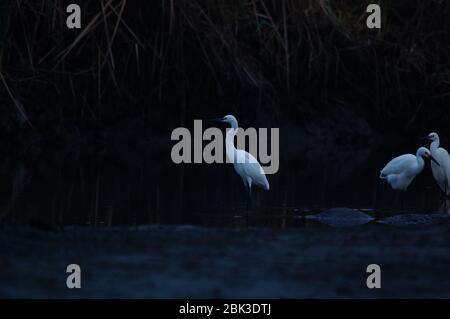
84,115
158,64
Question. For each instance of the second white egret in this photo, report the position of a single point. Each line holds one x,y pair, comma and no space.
401,171
441,172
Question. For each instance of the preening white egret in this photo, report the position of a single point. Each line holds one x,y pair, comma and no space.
400,171
441,172
244,163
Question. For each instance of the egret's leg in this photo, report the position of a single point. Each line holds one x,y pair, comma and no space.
402,200
397,199
447,196
445,187
249,203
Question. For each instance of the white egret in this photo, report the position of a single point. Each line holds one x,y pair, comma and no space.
244,163
400,171
441,172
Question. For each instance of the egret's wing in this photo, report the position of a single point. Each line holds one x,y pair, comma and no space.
442,156
440,171
251,168
244,157
398,165
444,162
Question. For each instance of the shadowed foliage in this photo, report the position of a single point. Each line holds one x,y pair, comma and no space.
168,61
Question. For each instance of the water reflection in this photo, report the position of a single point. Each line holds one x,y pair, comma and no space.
109,184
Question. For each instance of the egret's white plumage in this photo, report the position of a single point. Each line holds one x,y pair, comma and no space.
400,171
441,172
245,164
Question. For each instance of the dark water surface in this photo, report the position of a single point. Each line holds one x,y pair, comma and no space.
299,244
202,262
119,183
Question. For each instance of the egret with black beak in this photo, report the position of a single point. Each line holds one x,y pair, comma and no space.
245,164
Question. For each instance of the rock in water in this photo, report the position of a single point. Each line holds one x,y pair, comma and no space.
414,219
341,217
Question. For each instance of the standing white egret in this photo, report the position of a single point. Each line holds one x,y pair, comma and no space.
400,171
441,172
244,163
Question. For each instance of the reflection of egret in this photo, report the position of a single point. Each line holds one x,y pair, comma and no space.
441,172
244,163
400,171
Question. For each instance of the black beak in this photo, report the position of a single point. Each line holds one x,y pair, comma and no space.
426,138
220,119
434,160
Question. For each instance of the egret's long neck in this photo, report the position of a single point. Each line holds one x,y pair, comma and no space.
229,141
420,162
434,145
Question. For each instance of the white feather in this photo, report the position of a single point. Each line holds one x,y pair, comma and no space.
441,172
245,164
400,171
